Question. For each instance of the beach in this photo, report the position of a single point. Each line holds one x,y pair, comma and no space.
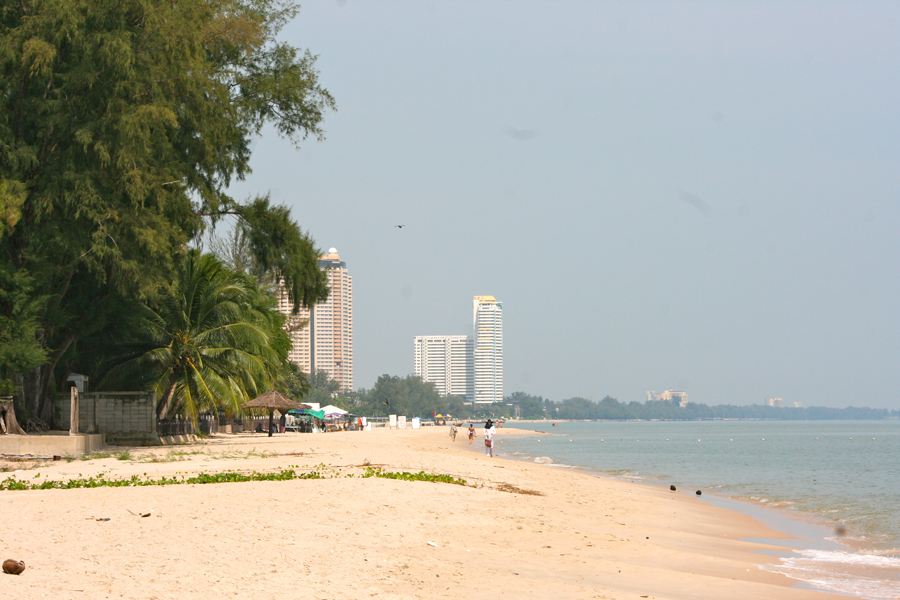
515,528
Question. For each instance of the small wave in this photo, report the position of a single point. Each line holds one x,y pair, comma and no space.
863,575
543,460
869,559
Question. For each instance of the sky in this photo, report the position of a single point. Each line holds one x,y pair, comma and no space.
694,195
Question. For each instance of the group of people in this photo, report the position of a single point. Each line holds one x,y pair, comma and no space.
489,432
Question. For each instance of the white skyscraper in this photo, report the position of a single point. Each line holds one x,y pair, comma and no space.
488,349
470,366
446,361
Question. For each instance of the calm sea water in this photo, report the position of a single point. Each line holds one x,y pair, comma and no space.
841,474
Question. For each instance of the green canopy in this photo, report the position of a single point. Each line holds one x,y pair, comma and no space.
319,414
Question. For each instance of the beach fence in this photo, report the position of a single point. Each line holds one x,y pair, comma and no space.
179,426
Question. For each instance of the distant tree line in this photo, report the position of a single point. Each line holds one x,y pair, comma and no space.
535,407
413,397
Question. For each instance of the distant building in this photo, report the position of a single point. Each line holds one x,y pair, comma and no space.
322,339
468,366
488,350
669,396
798,405
446,361
773,401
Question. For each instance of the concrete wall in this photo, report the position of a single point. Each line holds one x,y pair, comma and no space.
49,444
122,417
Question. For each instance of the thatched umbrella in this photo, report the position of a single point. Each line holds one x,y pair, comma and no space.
274,401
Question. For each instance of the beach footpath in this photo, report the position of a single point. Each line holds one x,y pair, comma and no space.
374,514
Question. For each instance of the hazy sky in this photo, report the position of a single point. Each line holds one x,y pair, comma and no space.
693,195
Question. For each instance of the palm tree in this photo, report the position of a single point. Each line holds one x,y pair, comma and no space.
214,341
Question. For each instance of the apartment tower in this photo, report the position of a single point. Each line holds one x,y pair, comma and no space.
322,339
446,361
488,349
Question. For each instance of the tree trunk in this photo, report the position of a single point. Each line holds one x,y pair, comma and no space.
38,386
8,423
165,403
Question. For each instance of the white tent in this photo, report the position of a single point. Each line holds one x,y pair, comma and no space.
332,411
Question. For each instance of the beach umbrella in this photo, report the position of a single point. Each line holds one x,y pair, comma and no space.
274,401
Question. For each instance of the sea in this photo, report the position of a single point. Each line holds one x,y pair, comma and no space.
838,479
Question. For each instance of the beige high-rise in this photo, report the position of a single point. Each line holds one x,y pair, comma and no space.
323,338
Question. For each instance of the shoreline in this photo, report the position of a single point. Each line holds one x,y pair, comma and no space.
797,530
518,527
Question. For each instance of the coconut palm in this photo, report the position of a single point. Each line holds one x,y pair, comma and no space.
214,341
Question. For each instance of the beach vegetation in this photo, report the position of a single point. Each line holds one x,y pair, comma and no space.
122,125
139,481
320,471
214,341
407,476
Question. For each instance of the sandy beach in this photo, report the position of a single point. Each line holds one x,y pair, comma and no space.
515,529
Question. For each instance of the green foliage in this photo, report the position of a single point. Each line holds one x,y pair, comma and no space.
528,406
205,478
406,476
280,247
408,396
19,346
137,481
122,124
292,382
324,390
209,341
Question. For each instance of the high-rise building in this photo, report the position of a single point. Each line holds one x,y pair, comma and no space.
322,339
488,349
467,365
446,361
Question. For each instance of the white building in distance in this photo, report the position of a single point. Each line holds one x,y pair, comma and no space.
468,366
775,401
488,349
446,361
669,396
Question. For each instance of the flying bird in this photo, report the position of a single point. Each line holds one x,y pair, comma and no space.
399,226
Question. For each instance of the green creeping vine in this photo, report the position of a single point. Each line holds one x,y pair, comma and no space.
420,476
227,477
135,480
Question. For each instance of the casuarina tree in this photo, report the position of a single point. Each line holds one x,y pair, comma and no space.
122,124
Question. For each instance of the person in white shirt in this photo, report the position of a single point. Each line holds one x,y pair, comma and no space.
489,433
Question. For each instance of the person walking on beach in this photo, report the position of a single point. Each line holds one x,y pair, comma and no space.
453,432
471,432
489,433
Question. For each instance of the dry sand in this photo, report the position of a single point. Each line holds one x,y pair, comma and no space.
516,530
